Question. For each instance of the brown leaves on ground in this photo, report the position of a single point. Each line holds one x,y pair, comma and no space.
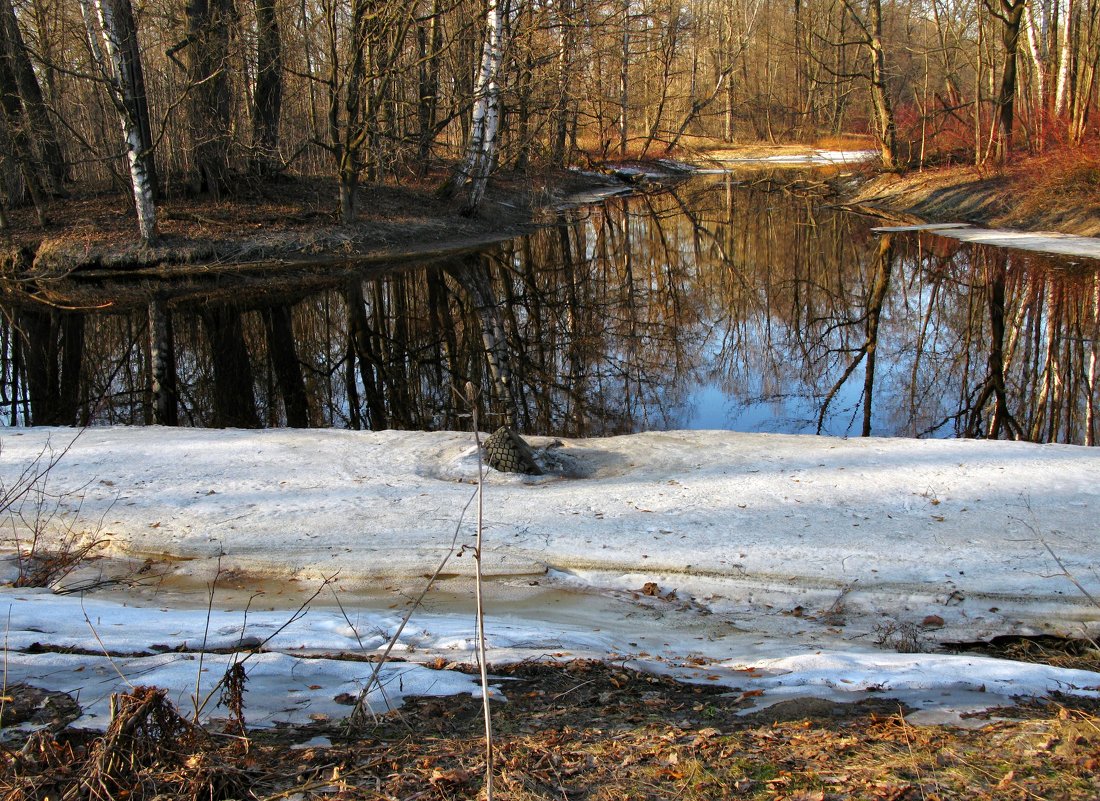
587,730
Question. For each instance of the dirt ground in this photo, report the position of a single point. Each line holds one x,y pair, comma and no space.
1059,192
275,224
577,730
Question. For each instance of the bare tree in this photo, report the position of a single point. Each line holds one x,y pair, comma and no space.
112,37
870,26
472,175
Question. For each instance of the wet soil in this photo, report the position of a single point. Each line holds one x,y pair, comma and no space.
578,730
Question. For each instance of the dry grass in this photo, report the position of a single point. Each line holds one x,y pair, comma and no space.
583,730
1064,180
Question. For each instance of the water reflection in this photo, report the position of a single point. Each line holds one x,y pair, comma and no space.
720,304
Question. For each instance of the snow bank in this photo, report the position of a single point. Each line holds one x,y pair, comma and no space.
684,552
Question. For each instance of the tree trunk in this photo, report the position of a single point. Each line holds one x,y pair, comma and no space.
348,139
1011,15
624,83
430,51
566,36
206,52
880,91
481,152
112,22
49,163
268,102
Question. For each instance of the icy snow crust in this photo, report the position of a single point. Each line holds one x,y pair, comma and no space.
1083,247
697,553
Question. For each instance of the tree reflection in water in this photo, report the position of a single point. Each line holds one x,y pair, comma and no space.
722,303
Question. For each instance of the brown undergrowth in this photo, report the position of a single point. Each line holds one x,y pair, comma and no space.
579,730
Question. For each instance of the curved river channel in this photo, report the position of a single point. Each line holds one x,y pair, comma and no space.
725,302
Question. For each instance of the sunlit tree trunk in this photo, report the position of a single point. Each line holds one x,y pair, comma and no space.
1011,14
112,37
624,82
472,175
1065,57
1038,44
566,38
871,28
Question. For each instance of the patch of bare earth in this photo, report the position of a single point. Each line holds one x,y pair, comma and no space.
267,224
1056,192
578,730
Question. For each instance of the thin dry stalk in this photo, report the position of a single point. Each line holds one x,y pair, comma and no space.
232,669
1069,575
471,399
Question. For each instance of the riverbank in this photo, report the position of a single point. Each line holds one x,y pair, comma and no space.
281,224
1057,192
292,222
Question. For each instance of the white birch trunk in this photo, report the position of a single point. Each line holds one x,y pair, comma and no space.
1039,49
1061,88
481,155
101,24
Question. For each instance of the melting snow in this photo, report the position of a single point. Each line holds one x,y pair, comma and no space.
699,554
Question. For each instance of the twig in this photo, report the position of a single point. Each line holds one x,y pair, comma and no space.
102,646
205,635
1068,575
471,399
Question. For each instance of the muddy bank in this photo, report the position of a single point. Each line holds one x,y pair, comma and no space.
1029,197
283,224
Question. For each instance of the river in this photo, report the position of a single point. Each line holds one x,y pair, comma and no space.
739,302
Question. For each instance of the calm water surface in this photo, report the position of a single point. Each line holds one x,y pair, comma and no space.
726,303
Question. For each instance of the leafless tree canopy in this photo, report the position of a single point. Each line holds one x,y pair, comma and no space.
172,96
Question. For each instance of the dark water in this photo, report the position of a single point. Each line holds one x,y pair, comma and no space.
731,304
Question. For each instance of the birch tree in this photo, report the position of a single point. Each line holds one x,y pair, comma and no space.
472,175
112,37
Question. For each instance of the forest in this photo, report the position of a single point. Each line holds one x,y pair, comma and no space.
169,98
